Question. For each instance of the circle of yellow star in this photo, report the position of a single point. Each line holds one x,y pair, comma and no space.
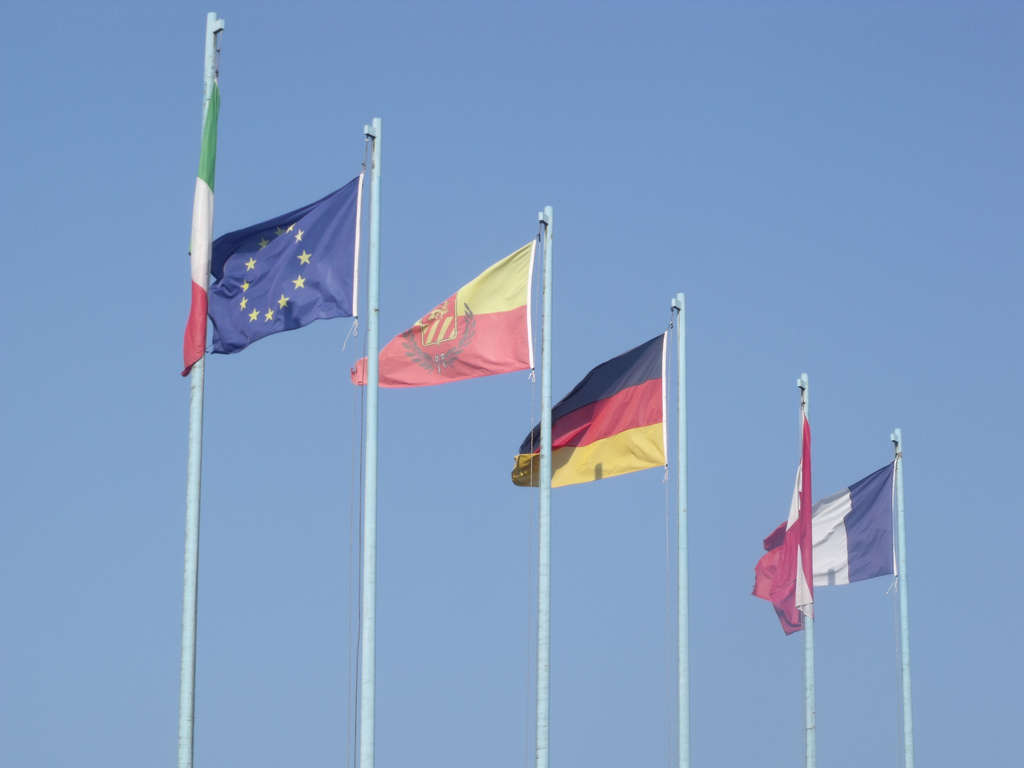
253,315
243,302
250,264
269,316
264,243
298,236
304,256
299,282
290,227
245,286
283,301
279,231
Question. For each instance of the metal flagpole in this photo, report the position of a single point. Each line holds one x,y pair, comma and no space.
810,741
193,481
546,218
901,533
682,563
367,650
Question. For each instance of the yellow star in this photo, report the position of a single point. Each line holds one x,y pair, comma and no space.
243,302
269,316
299,282
245,286
304,257
278,231
290,227
264,243
253,315
283,301
250,264
298,236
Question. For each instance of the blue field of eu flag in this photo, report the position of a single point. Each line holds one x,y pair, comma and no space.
286,272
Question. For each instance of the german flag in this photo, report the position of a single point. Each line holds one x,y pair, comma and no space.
613,422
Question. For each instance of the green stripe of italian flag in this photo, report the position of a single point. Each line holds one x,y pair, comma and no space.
202,237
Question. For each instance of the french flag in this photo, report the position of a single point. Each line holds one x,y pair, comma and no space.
851,533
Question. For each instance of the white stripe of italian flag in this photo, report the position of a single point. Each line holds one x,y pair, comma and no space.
202,237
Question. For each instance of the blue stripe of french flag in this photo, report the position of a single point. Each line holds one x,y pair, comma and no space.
852,531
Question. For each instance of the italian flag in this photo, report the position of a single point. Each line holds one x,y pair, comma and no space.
202,237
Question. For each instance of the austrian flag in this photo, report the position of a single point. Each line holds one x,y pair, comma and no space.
786,578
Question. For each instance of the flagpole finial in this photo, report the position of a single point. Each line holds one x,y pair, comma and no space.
897,440
546,215
802,384
213,24
679,302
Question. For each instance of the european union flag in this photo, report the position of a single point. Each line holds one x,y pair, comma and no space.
285,273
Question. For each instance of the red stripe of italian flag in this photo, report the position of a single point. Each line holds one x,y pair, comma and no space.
202,236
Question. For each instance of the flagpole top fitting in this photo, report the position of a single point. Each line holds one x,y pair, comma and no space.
213,24
546,215
897,439
801,383
372,129
679,302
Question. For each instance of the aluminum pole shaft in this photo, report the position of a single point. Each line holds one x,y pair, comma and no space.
193,485
901,550
682,560
544,524
368,602
810,736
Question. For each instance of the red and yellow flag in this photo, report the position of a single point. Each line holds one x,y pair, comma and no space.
482,330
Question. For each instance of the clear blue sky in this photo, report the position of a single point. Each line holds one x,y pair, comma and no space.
837,189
